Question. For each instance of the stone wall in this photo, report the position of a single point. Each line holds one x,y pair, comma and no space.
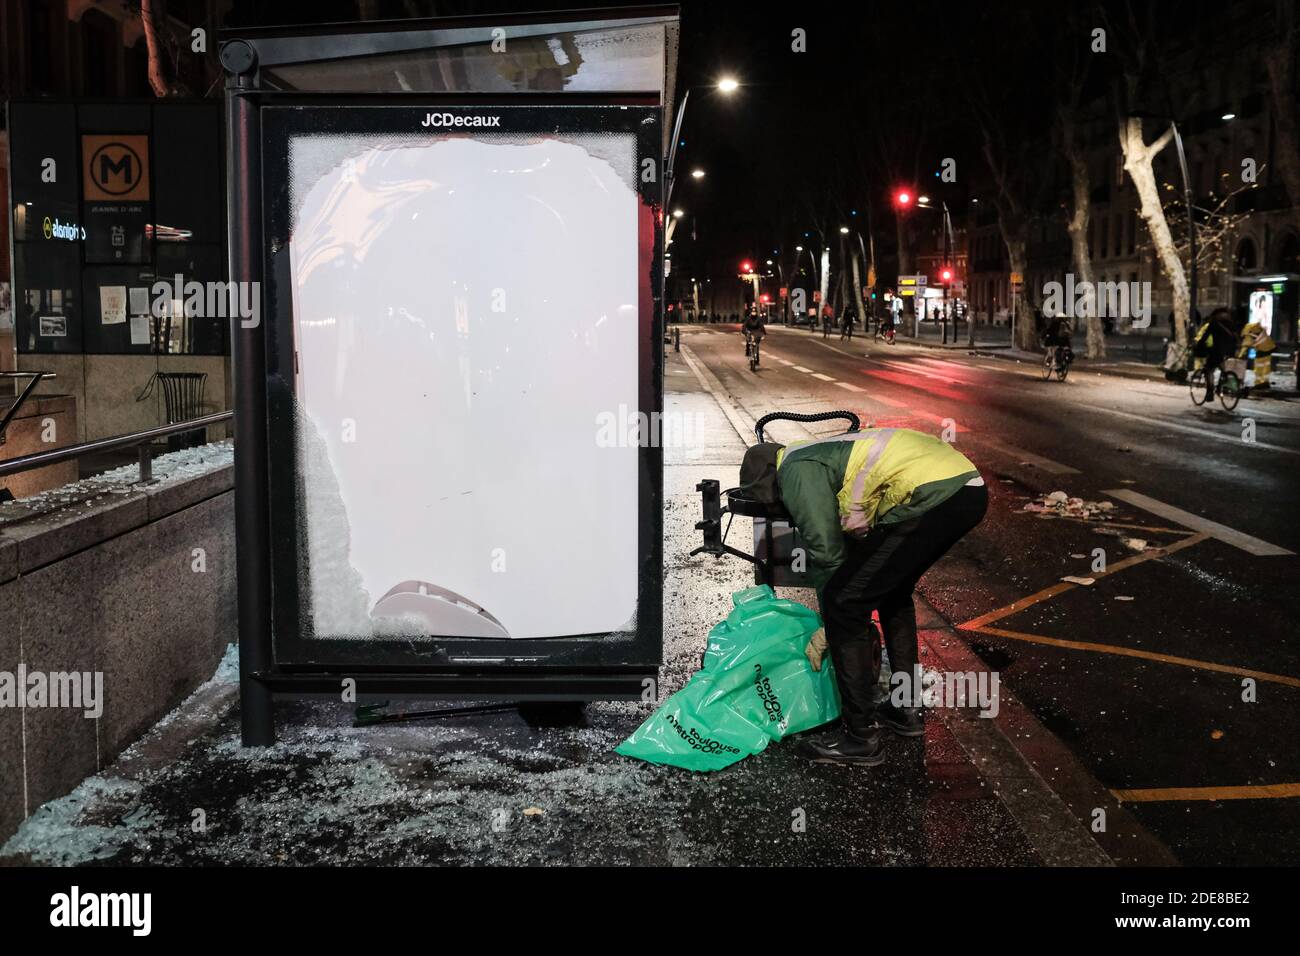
135,582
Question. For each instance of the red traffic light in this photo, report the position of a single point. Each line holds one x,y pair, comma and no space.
902,197
746,266
946,275
765,298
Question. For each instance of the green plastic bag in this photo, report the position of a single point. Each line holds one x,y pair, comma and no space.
755,686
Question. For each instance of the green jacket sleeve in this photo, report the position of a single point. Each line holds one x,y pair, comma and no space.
809,496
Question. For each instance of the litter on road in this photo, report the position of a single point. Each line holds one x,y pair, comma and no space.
1059,504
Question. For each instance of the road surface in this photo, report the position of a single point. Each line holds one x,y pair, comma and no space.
1175,676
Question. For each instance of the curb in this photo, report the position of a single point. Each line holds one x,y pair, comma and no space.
1040,781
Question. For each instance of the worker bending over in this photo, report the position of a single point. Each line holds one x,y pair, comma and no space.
875,509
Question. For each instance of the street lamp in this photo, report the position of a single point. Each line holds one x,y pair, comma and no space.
678,213
697,173
726,85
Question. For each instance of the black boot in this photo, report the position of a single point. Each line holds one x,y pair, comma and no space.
855,675
904,721
898,622
844,746
859,740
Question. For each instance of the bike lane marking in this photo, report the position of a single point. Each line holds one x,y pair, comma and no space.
1238,539
1193,430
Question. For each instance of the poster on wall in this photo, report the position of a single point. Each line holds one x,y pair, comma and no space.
112,304
467,308
54,326
139,300
140,330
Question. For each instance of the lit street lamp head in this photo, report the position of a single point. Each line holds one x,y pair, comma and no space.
728,85
697,174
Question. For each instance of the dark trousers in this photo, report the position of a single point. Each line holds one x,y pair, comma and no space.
880,573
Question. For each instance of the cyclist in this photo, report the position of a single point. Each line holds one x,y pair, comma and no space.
885,325
752,327
846,324
1213,343
1056,337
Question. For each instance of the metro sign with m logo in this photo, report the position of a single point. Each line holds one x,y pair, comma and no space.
115,168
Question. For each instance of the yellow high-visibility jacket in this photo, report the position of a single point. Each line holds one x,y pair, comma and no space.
1254,337
848,484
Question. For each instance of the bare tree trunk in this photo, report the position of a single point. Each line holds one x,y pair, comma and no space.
840,292
1077,226
825,286
1015,234
1138,156
159,80
859,305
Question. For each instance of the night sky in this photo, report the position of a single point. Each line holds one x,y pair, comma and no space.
884,92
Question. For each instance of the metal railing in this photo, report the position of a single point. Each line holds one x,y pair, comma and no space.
12,412
57,455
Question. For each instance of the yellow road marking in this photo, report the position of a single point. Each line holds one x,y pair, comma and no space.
1112,524
1262,791
981,624
978,623
1144,655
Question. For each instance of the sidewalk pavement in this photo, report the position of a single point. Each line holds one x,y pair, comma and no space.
543,786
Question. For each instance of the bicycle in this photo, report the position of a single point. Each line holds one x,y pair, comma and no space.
752,351
1227,386
846,331
1051,364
